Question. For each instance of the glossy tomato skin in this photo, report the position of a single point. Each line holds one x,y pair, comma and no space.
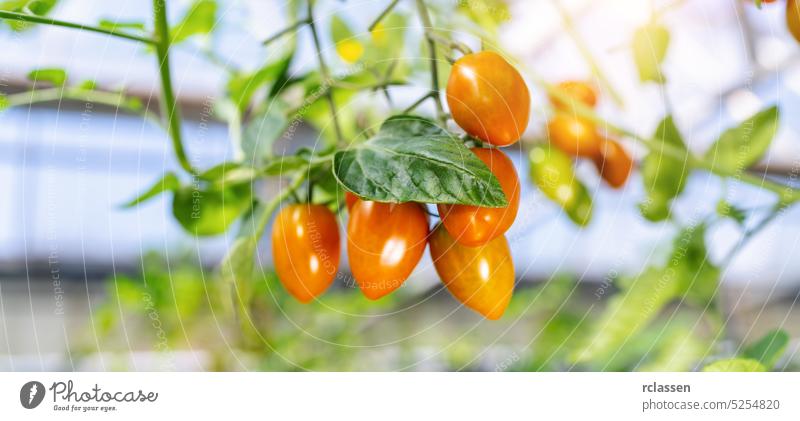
306,249
613,163
488,98
574,135
793,18
350,199
480,277
582,92
474,226
385,241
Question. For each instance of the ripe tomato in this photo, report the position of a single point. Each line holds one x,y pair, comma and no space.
793,18
573,135
350,199
305,247
613,163
579,91
488,98
474,226
385,241
480,277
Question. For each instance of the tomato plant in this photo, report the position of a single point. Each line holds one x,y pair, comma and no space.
385,159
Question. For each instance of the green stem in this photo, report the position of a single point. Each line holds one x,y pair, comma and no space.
417,103
168,102
273,204
428,27
25,17
285,31
325,72
584,50
383,15
111,99
786,194
749,234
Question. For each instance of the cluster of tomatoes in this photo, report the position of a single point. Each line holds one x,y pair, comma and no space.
385,241
578,137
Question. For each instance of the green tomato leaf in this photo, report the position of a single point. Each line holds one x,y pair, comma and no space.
118,25
32,7
284,164
736,365
740,147
649,45
243,86
769,349
759,3
727,210
210,211
229,174
407,162
199,19
3,102
553,172
664,175
54,76
88,85
169,182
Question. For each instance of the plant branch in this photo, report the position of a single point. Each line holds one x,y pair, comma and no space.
383,15
417,103
285,31
752,232
584,50
325,72
787,195
112,99
168,103
427,26
26,17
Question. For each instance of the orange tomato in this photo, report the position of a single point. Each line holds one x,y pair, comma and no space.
573,135
306,248
488,98
474,225
793,18
350,199
579,91
385,241
480,277
613,163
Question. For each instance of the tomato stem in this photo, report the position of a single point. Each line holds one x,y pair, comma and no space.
383,15
117,100
169,106
325,72
285,31
26,17
427,27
